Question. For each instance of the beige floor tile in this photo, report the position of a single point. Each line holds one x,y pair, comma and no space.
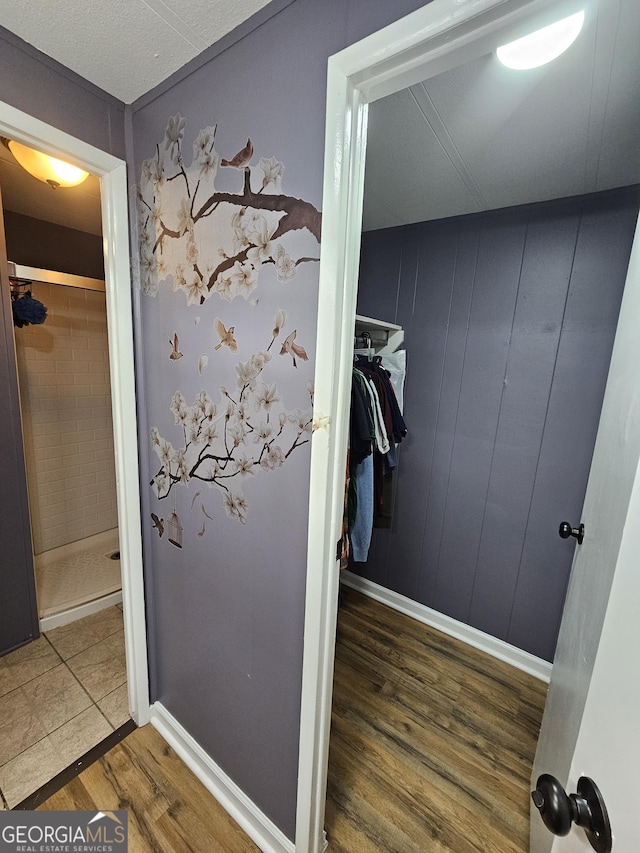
100,668
20,727
115,706
28,771
26,663
71,639
7,678
79,735
56,697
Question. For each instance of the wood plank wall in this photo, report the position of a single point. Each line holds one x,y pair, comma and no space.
510,318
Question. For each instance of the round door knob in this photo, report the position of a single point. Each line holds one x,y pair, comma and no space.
566,530
551,800
585,808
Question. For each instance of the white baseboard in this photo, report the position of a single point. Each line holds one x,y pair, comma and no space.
242,809
47,623
485,642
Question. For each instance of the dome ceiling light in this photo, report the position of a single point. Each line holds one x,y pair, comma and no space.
541,46
48,169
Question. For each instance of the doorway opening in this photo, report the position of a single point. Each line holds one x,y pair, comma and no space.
355,80
56,257
111,173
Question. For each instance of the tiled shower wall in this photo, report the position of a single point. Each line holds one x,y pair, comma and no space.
63,367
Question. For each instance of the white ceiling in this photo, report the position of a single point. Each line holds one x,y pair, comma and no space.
125,47
474,138
481,137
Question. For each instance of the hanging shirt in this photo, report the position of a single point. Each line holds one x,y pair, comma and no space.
380,429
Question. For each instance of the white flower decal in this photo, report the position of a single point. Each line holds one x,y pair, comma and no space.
217,228
179,203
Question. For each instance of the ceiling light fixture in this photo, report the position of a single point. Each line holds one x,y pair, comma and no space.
48,169
541,46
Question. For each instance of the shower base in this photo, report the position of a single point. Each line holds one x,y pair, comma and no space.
77,579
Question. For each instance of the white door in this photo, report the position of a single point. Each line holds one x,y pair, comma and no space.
590,723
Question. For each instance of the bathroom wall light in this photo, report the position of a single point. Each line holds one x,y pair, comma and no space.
541,46
52,171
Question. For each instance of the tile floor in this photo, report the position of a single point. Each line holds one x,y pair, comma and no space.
60,696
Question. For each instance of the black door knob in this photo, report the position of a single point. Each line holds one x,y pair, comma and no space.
586,809
566,530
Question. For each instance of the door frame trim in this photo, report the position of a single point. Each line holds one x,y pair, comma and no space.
111,170
429,41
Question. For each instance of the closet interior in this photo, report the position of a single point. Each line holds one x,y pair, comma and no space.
498,219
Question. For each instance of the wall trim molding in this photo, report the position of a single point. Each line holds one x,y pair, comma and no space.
535,666
232,798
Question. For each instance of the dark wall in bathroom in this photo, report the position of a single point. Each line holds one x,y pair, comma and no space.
18,609
47,245
509,321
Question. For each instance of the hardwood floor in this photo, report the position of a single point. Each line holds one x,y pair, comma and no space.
432,741
170,811
431,750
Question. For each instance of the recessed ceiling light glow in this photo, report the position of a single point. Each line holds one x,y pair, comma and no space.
542,46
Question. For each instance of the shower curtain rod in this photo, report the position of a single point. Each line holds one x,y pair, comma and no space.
21,274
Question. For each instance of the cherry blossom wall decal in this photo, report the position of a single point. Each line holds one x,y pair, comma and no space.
175,353
251,225
204,240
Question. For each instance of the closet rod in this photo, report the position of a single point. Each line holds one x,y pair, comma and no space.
21,273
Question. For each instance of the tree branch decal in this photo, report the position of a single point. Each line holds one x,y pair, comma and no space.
245,432
207,240
174,204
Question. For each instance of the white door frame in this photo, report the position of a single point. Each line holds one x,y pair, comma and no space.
15,124
440,36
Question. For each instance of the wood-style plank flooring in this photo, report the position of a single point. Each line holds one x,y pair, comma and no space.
432,741
170,810
431,750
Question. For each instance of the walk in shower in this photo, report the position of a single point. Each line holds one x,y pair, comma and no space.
63,370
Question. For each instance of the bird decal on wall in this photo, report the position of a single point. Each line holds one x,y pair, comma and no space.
242,158
175,348
158,523
293,349
226,336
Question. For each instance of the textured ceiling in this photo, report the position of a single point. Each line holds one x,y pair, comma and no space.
474,138
125,47
480,136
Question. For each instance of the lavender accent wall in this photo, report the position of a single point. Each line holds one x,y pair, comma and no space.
509,318
226,610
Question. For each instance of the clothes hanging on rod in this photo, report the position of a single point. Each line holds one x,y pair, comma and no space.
376,428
